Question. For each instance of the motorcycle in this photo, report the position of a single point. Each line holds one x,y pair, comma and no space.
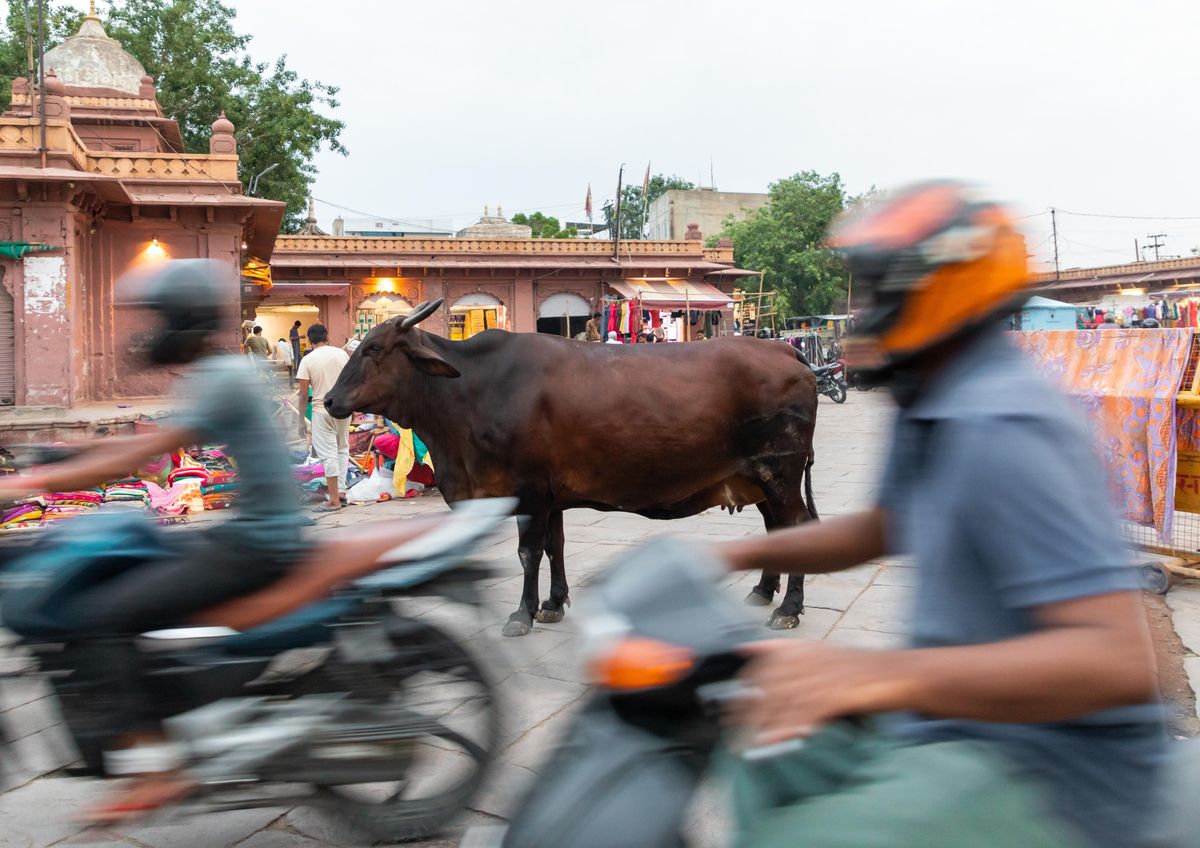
635,755
831,380
662,644
329,696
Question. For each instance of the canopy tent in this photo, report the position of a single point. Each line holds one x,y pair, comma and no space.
672,294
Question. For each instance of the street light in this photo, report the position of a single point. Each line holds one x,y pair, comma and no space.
253,187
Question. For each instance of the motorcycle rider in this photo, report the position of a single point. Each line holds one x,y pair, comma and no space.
1023,711
226,404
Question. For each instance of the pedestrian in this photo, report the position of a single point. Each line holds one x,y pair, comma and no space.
612,337
294,337
282,357
660,334
320,369
1109,323
257,346
592,328
1029,669
247,332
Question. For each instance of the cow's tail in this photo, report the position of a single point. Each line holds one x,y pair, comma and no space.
808,493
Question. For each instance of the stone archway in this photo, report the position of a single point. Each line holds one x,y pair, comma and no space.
563,314
475,312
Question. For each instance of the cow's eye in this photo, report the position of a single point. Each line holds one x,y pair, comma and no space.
374,348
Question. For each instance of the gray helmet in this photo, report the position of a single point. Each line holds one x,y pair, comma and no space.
187,295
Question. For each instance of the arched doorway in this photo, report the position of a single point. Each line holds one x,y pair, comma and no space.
8,347
376,308
276,315
563,314
474,313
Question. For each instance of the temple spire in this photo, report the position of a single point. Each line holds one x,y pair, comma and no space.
92,9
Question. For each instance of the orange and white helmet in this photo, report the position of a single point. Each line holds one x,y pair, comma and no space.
928,263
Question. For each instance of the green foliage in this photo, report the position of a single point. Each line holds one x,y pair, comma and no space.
785,238
544,226
201,66
61,21
633,210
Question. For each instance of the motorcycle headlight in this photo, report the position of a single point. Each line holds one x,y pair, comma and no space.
639,663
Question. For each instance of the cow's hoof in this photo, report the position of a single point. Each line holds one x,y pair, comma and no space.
756,598
517,627
780,621
550,616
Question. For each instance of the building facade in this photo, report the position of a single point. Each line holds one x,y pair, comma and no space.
517,284
674,212
101,187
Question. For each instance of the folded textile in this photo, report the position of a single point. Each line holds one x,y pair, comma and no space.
218,489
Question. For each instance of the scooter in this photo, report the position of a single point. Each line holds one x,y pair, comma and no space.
661,641
316,691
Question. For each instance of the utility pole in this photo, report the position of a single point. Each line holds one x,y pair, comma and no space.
1137,251
41,91
617,216
1054,234
1156,244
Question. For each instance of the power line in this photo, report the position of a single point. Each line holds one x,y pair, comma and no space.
1134,217
1156,244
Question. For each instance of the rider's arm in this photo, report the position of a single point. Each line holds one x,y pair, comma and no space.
105,461
1090,654
814,547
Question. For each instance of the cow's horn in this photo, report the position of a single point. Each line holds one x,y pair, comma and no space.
420,312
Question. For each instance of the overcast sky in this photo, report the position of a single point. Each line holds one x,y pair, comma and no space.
1085,105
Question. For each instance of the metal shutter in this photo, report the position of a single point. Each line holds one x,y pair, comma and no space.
8,350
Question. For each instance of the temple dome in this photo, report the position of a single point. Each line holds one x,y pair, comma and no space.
90,59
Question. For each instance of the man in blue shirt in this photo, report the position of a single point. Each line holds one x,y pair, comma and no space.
1023,711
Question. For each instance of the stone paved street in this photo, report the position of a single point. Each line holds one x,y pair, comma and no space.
540,683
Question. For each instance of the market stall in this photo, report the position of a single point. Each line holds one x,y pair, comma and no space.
685,309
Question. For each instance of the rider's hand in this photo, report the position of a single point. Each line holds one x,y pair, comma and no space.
797,687
14,487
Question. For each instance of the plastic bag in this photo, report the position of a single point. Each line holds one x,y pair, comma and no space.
369,489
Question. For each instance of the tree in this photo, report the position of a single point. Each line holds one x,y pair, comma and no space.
633,211
544,226
201,67
785,238
60,22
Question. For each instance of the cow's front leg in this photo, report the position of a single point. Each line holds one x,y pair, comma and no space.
530,543
553,608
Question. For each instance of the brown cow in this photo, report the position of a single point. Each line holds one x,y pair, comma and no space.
664,431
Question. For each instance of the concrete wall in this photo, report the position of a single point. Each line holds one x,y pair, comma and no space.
670,214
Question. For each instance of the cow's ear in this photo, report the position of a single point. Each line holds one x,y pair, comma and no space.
430,363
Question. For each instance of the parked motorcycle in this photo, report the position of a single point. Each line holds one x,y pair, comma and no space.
831,381
332,698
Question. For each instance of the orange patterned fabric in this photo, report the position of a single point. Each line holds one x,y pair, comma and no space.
1126,381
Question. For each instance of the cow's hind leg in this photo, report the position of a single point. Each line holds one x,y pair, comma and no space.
553,607
531,541
768,584
788,512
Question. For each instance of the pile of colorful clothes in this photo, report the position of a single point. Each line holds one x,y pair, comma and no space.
60,505
20,516
130,492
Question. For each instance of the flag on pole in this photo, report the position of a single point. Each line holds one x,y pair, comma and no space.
646,183
587,204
